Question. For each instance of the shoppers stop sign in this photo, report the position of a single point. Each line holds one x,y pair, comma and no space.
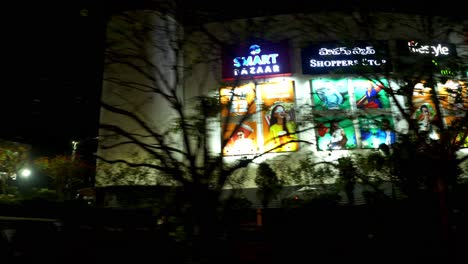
337,57
256,61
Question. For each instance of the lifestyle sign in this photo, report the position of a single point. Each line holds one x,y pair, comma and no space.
435,50
256,60
338,57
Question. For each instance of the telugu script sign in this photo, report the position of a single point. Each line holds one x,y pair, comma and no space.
359,57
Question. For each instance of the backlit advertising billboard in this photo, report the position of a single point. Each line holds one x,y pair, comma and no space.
377,130
279,116
335,94
238,101
424,111
335,133
254,124
330,94
370,94
242,139
453,100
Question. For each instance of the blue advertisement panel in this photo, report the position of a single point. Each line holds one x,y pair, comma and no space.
377,130
330,94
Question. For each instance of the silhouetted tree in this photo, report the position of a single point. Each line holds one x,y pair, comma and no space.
268,184
14,156
158,63
67,175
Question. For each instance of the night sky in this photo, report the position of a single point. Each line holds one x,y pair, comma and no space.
53,76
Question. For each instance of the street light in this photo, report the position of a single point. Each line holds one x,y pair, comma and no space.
74,147
25,173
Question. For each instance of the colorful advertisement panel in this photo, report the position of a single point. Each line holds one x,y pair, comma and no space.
242,100
377,130
335,134
278,115
243,140
330,94
453,99
257,60
339,57
424,110
370,94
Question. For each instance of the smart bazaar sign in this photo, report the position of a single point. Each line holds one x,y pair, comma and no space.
256,60
324,58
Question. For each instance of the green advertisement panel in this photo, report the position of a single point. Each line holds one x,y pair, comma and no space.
330,94
335,134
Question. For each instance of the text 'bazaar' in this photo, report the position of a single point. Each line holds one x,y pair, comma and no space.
257,70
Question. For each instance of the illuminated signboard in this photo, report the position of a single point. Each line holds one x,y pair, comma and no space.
256,60
339,57
435,50
420,56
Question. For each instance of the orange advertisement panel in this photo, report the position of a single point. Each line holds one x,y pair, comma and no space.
453,98
243,141
278,116
242,100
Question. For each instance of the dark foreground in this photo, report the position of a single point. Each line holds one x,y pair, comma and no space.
387,233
